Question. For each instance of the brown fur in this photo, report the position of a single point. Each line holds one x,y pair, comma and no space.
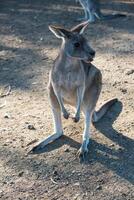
75,81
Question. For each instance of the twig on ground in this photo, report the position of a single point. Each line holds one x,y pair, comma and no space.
7,93
2,105
32,142
53,181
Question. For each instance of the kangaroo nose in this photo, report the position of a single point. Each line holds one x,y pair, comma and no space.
92,53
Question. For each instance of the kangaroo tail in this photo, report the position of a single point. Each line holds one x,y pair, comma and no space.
97,115
113,16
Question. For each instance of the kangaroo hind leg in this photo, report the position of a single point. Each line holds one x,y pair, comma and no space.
58,131
89,102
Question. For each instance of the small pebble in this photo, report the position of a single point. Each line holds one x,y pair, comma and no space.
105,154
115,83
130,72
66,150
55,173
19,98
124,91
5,144
111,145
6,116
20,174
73,171
99,187
30,127
77,184
120,149
1,193
11,183
124,194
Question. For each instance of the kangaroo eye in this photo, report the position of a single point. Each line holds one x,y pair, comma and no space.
77,44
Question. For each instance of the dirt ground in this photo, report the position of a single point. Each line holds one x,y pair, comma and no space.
27,51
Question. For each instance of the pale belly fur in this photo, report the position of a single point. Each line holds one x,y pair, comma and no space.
69,97
69,88
69,82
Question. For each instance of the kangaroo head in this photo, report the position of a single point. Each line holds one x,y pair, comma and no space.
74,43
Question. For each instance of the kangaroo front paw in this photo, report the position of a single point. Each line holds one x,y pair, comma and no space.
76,119
66,114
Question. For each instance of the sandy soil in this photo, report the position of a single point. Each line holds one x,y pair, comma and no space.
27,51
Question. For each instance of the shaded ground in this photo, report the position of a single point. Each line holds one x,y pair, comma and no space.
27,51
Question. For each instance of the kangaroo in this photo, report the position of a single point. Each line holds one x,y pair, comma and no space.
92,10
75,81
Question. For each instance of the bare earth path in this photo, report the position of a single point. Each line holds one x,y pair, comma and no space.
27,51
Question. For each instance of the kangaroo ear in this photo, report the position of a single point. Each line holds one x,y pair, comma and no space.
60,32
80,27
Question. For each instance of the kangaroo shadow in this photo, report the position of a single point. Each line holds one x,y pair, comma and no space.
117,157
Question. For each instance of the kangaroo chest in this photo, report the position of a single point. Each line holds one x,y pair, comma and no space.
67,80
70,79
